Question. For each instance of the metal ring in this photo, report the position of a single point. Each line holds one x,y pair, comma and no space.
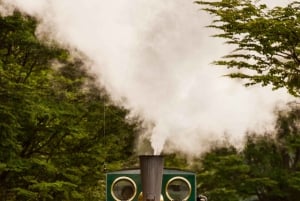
119,179
182,179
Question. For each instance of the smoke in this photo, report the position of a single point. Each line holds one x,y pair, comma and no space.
154,57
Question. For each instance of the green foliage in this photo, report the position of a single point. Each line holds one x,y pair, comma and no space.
176,161
57,128
266,169
267,41
222,170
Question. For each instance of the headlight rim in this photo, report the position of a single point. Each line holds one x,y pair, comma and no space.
123,178
182,179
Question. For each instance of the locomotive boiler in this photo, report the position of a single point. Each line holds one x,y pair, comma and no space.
151,182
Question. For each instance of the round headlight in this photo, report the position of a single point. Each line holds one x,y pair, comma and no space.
178,188
123,188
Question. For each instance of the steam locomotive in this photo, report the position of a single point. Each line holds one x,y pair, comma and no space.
151,182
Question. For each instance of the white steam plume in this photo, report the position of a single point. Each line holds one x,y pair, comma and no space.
156,54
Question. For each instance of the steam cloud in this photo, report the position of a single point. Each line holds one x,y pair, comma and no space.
154,57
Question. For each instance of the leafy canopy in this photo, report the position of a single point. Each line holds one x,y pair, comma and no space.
267,168
54,138
267,41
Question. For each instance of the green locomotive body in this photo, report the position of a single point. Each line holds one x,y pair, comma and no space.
177,185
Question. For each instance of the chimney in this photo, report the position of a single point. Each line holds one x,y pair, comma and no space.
151,175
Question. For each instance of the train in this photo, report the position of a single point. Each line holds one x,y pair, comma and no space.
152,182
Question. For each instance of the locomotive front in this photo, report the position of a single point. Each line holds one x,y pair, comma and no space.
151,182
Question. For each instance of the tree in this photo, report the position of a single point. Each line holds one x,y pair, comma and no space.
57,128
221,172
266,169
275,174
267,41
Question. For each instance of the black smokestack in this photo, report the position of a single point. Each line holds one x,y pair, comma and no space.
151,175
